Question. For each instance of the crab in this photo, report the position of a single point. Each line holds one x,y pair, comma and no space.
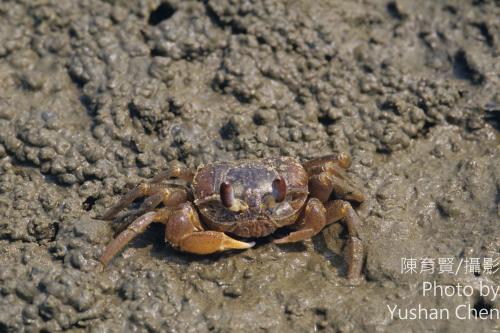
245,199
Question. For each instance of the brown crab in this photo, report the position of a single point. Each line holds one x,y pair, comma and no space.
248,199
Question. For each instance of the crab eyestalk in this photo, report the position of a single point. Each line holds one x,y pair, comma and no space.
279,189
277,195
228,200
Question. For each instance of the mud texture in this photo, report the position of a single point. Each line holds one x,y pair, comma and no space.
96,96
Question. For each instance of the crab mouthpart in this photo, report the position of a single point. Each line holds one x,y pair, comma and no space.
282,209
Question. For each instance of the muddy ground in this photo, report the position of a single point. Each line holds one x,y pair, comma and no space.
96,96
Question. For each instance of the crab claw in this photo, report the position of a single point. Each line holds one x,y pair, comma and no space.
206,242
231,243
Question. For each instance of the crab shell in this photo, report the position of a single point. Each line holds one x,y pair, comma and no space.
252,182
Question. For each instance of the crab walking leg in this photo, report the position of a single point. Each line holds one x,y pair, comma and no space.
140,191
135,228
173,199
185,232
176,170
148,205
312,223
342,210
151,202
316,165
317,216
168,195
322,185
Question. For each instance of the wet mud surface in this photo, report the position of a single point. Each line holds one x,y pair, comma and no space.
96,96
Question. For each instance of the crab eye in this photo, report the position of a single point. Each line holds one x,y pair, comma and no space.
279,189
226,194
